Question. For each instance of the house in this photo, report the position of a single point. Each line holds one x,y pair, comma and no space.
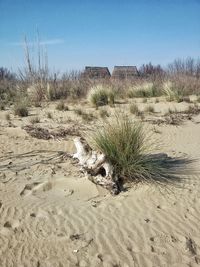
124,72
96,72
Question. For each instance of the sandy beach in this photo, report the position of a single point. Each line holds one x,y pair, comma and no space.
51,215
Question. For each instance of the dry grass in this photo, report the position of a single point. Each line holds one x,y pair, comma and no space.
21,109
7,116
149,109
134,109
61,106
35,120
49,115
127,147
103,113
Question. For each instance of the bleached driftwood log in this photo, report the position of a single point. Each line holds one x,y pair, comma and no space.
94,163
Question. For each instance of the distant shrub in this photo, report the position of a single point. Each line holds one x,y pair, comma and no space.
100,95
146,89
2,106
134,109
150,109
78,111
7,117
61,106
172,94
87,116
172,111
186,99
49,115
103,113
21,109
35,120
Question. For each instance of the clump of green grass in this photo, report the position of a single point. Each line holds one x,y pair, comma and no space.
171,93
2,106
7,116
103,113
134,109
21,109
111,97
87,116
126,146
98,96
171,111
149,109
78,111
101,95
146,89
61,106
35,120
193,109
187,99
49,115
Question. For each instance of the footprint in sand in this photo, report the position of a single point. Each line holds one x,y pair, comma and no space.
28,188
34,187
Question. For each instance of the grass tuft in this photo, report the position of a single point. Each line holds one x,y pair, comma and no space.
61,106
7,116
35,120
103,113
49,115
149,109
20,109
134,109
100,95
126,146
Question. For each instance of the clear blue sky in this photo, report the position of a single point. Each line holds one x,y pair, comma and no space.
100,33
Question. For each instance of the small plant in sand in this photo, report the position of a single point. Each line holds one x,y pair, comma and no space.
35,120
144,100
126,146
149,109
78,111
198,99
171,93
187,99
146,89
172,111
103,113
134,109
87,116
98,96
193,109
61,106
101,95
7,116
49,115
111,97
21,109
157,100
2,106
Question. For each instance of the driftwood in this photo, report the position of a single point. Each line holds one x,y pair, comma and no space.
94,163
42,133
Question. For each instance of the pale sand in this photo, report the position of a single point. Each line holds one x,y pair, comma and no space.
53,216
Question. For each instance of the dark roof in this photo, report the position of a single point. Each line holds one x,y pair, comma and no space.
122,72
96,72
